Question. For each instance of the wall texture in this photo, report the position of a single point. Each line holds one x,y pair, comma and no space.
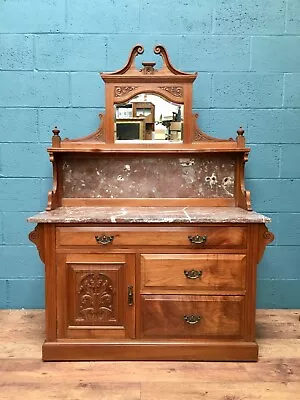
247,53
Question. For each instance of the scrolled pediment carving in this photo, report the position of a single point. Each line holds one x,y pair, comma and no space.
121,91
176,91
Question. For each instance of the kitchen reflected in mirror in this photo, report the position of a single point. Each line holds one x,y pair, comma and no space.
148,117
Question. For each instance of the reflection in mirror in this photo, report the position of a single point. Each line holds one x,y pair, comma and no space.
149,117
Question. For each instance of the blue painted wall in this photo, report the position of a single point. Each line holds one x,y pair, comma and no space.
247,53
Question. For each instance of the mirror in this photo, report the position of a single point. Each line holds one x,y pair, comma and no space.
148,117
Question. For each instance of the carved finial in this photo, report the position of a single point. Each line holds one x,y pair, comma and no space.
56,138
240,131
240,138
148,68
55,131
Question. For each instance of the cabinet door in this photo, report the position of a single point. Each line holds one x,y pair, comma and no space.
95,296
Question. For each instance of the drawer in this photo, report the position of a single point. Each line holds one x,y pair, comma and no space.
205,236
165,316
193,272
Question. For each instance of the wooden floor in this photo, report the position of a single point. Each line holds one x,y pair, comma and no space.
24,376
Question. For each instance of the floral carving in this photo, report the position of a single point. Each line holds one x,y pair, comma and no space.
176,91
95,298
123,90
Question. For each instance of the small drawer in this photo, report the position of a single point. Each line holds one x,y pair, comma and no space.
192,237
165,316
192,272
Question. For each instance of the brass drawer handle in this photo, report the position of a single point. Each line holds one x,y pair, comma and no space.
192,319
197,239
104,239
193,274
130,295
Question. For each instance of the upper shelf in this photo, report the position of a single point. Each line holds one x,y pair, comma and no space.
79,147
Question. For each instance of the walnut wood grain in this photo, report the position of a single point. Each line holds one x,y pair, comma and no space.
51,299
216,272
190,350
162,316
216,237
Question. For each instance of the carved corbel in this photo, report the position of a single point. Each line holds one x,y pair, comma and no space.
266,237
36,237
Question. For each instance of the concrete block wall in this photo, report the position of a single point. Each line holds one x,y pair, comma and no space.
247,53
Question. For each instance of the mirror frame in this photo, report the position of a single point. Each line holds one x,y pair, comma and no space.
168,82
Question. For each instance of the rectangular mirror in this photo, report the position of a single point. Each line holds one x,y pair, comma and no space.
148,116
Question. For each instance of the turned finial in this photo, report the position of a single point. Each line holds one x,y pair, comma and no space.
148,68
240,138
240,131
55,131
56,138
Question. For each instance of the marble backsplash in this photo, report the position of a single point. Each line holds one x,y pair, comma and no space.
149,176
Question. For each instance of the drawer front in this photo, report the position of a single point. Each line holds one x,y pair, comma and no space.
165,316
204,236
192,272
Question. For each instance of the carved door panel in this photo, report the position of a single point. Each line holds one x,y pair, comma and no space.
95,296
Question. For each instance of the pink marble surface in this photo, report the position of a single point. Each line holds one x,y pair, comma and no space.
151,176
153,215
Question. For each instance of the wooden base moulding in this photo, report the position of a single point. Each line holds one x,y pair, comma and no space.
138,351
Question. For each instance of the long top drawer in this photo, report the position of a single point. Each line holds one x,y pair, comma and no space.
192,237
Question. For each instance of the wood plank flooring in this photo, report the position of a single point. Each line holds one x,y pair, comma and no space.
23,375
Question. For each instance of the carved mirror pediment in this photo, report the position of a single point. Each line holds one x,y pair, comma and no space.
148,104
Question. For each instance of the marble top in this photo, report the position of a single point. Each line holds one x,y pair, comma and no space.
153,215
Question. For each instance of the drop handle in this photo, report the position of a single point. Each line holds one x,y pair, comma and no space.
192,319
192,274
130,295
104,239
197,239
